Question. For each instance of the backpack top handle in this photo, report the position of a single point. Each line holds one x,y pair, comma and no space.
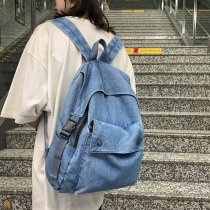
94,51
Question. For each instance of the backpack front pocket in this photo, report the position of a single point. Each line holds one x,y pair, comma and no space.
112,159
108,138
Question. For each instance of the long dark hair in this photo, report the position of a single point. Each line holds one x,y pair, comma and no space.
90,9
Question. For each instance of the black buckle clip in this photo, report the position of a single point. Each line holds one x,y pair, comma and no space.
65,134
68,129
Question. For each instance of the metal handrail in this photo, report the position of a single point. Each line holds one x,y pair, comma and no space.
156,4
159,4
183,18
194,16
198,23
33,15
195,19
108,1
207,3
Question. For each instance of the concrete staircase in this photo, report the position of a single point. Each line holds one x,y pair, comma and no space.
173,91
145,29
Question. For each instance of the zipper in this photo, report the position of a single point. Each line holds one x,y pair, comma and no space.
84,122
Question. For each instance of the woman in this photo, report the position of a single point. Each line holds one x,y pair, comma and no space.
47,66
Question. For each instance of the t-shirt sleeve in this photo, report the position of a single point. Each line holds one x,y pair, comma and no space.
28,95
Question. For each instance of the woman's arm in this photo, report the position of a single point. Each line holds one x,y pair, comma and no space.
34,124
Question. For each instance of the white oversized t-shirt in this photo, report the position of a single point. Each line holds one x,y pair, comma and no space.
42,79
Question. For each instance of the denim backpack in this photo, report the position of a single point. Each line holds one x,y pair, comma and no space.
98,142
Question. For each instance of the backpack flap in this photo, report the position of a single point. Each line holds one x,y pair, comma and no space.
107,138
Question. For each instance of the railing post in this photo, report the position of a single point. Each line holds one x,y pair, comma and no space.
45,4
176,10
194,21
170,6
162,5
33,15
183,17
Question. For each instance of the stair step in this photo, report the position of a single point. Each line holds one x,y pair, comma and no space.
148,30
142,33
171,68
152,195
154,11
139,17
20,138
16,162
186,167
174,104
17,190
177,141
202,59
15,185
188,141
150,37
144,28
173,78
172,90
144,12
139,23
176,121
180,50
151,45
139,42
180,166
143,195
130,6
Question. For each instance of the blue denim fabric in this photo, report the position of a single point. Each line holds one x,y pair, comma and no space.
74,34
110,148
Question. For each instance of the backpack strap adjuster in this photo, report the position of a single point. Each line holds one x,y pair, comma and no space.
68,129
65,134
63,140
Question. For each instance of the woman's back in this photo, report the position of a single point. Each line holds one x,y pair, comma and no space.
45,71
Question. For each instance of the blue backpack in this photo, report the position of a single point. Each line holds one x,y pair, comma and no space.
98,142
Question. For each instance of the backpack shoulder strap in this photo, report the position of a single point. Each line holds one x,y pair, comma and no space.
113,48
69,28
